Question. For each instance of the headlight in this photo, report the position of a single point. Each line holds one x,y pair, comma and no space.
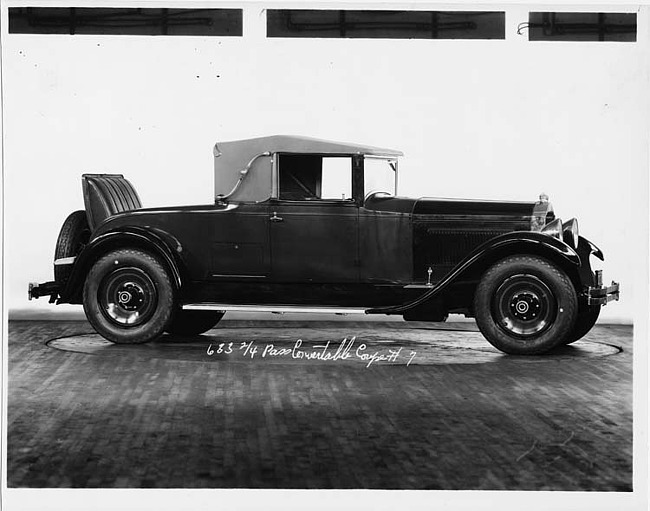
570,233
554,229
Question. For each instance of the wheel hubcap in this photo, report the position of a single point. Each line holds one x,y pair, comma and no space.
128,297
524,306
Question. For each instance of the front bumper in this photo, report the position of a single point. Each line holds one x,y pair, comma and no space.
599,294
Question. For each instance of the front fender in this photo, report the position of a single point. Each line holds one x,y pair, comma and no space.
517,242
158,243
587,248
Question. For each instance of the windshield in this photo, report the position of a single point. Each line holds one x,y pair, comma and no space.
380,175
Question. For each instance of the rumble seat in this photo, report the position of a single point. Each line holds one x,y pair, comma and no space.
106,195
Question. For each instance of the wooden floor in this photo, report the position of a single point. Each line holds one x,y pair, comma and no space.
457,415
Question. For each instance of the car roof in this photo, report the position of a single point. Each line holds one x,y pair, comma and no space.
243,150
233,160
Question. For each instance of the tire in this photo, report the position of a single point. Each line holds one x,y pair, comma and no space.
587,317
525,305
128,297
73,237
190,322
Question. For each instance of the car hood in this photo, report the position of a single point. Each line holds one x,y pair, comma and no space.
459,208
426,206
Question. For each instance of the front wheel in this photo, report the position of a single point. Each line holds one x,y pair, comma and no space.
525,305
128,297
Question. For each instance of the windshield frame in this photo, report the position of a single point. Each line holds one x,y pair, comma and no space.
393,163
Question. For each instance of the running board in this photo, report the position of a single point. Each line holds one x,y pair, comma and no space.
279,309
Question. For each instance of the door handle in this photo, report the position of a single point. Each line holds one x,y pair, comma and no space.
276,218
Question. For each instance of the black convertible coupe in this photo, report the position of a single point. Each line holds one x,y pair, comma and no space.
307,225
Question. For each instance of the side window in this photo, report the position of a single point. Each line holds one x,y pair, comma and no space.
306,177
337,178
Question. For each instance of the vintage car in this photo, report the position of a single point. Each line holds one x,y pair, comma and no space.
307,225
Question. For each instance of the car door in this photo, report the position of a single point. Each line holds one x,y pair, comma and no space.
314,242
314,222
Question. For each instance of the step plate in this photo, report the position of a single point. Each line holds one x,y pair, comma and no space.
272,308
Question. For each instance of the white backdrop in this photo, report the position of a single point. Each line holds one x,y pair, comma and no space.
502,119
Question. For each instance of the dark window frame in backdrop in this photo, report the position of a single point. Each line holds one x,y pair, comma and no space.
126,21
581,26
376,24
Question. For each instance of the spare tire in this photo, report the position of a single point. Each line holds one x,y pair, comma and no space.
73,237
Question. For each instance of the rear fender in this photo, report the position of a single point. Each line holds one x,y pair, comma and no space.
158,243
476,263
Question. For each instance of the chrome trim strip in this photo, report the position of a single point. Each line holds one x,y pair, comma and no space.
273,308
64,260
483,217
228,275
380,157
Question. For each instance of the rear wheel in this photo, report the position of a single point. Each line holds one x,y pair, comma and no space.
73,237
525,305
128,297
191,322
